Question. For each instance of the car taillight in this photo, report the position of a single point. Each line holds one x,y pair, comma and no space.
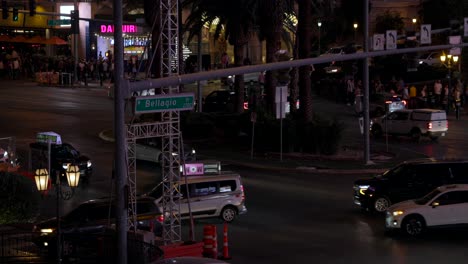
160,218
447,124
404,102
429,125
242,195
246,105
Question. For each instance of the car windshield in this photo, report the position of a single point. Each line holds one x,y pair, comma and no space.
428,197
335,50
394,171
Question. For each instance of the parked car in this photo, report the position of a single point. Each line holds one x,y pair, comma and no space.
217,195
415,123
61,155
221,101
334,51
430,59
248,77
96,216
445,206
408,180
150,150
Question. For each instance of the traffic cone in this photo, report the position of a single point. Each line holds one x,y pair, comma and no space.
225,242
210,248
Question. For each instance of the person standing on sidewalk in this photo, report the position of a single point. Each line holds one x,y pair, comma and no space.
457,99
437,93
350,91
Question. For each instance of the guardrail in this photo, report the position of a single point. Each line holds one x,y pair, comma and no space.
27,247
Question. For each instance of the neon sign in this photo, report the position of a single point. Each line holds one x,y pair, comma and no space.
125,28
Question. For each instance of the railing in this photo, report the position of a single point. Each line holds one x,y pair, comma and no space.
28,247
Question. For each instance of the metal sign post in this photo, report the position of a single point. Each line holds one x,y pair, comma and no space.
253,118
280,99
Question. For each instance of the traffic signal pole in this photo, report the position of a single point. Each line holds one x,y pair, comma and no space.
120,160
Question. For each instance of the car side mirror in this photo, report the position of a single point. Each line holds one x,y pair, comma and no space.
435,204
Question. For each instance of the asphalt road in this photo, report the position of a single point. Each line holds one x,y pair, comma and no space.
292,218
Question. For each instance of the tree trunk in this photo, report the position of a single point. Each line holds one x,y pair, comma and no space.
239,80
273,44
304,35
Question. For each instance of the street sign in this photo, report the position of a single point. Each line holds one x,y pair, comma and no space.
455,40
379,42
425,34
465,27
59,22
391,39
164,102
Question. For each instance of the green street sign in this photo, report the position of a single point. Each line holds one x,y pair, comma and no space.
164,102
58,22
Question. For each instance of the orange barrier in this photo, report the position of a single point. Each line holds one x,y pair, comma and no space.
210,247
225,242
192,249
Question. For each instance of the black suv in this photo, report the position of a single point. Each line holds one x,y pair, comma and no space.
408,180
98,216
61,155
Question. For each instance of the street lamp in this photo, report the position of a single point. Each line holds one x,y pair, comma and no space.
319,24
73,178
414,20
355,26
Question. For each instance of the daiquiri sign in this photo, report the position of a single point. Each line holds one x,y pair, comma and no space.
125,28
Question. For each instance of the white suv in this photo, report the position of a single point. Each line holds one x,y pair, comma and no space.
445,206
415,123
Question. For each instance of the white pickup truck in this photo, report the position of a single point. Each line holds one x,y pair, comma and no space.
415,123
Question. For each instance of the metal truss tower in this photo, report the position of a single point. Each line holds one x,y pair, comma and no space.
168,129
169,21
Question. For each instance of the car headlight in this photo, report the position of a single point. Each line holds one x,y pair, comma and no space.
89,164
363,188
397,213
47,230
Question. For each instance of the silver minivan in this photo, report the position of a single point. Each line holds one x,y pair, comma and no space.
210,195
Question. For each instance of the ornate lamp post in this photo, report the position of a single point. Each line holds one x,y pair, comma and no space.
73,179
319,24
355,26
448,61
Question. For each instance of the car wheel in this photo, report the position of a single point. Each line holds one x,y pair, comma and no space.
228,214
376,131
416,135
381,204
413,225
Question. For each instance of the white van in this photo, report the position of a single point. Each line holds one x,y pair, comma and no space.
209,195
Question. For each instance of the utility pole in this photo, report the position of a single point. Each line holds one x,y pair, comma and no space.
75,40
120,137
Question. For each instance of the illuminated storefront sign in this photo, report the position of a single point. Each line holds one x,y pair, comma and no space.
125,29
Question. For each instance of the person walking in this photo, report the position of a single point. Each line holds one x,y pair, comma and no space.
412,97
437,93
457,100
423,97
350,91
445,98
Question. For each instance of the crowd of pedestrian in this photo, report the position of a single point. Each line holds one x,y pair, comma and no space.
26,65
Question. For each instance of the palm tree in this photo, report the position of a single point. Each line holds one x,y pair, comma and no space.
271,16
235,22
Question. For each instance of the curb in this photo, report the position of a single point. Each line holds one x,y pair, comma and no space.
312,170
104,137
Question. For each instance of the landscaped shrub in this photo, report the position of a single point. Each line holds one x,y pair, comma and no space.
196,125
19,199
321,136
